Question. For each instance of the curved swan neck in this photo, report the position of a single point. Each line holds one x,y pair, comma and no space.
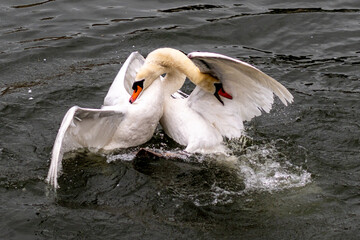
172,59
172,82
177,65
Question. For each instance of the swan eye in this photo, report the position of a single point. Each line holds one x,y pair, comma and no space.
138,83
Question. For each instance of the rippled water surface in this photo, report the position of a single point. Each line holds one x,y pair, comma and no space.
296,174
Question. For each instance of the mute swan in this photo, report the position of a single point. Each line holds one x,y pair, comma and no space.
200,121
116,125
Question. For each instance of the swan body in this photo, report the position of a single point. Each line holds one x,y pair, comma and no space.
201,120
227,92
189,128
117,124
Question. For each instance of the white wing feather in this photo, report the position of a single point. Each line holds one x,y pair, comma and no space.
251,89
120,90
94,128
82,127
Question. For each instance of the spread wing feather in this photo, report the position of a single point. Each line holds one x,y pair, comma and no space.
251,89
82,127
120,90
94,128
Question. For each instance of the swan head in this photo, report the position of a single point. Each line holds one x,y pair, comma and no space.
144,78
212,85
138,87
219,91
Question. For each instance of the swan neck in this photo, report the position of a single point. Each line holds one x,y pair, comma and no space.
174,61
184,65
173,81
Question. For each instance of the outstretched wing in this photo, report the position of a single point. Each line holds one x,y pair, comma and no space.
251,89
82,127
94,128
120,90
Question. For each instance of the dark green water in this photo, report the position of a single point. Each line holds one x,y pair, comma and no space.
296,176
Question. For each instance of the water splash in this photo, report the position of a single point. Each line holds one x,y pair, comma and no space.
264,168
260,167
127,156
213,180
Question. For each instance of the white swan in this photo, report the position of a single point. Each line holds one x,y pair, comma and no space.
201,120
116,125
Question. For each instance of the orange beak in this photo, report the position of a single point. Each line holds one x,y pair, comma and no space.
135,94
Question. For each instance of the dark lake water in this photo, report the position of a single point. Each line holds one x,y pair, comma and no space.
295,176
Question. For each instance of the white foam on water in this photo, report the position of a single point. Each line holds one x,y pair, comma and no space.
262,168
121,156
251,168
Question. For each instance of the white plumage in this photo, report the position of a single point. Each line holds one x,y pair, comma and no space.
117,124
201,121
198,121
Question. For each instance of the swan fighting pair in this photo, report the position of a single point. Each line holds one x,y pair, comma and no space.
227,92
